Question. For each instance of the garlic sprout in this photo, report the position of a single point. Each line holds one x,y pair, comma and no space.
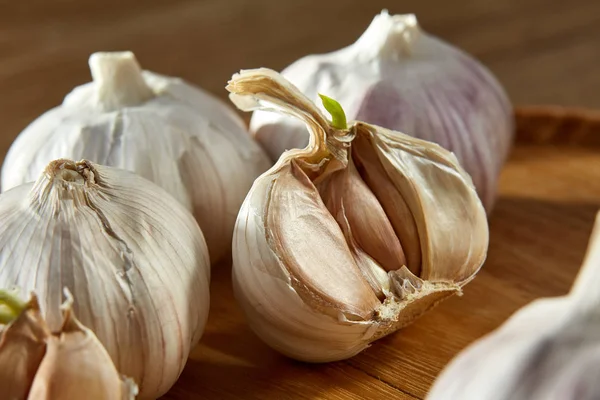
353,237
165,130
64,365
133,257
548,350
401,78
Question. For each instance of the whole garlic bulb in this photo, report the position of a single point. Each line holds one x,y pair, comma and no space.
133,257
353,237
548,350
398,77
42,365
165,130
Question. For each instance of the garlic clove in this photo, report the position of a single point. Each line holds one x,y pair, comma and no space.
22,347
396,209
372,272
300,227
351,201
430,190
75,362
289,288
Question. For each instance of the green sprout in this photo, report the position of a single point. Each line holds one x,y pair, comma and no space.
10,307
334,108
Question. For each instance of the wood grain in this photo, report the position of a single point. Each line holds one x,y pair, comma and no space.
543,51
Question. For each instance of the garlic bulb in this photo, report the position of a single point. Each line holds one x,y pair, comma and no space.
548,350
398,77
353,237
37,364
133,257
163,129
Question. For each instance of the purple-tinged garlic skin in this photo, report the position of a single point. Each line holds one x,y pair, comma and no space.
398,77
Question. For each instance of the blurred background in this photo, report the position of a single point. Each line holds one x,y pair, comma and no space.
543,51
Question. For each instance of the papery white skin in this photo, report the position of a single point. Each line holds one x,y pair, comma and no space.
398,77
133,257
548,350
178,136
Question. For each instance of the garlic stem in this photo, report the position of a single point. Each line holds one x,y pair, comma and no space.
118,79
389,37
13,307
250,89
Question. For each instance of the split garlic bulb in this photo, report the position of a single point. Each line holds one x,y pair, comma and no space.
548,350
68,364
398,77
353,237
133,257
165,130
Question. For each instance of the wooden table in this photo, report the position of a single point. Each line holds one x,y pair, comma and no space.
544,52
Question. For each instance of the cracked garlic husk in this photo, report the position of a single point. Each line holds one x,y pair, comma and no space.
401,78
38,364
182,138
548,350
133,257
353,237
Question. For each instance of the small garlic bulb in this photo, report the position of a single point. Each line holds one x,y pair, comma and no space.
37,364
165,130
133,257
353,237
548,350
398,77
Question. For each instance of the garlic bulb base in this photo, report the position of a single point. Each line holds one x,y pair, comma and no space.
395,314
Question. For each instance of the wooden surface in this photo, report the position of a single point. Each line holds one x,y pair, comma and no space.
543,51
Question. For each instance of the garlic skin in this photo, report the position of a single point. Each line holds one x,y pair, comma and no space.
133,257
60,365
399,77
311,284
164,129
548,350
